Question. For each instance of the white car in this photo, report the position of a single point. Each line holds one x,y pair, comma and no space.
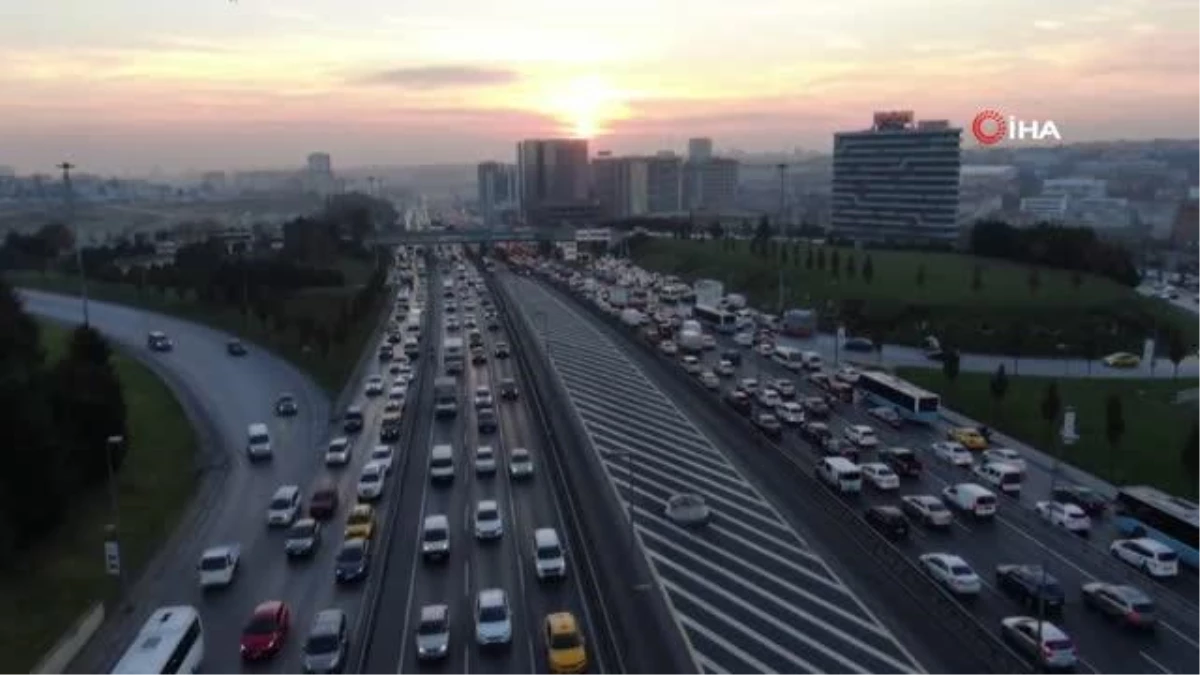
669,348
708,342
952,453
744,339
374,386
493,620
748,384
1067,516
520,463
768,398
928,509
382,455
847,374
1150,556
691,364
886,414
880,475
790,413
393,406
398,392
765,348
338,452
861,435
483,398
370,481
1006,455
710,380
485,460
724,368
488,522
218,565
1040,639
953,572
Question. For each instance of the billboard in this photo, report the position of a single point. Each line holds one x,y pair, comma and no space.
892,119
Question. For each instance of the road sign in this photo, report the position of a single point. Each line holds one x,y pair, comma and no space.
1068,433
112,558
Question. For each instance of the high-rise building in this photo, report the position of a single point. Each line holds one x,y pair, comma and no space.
497,190
710,184
319,177
664,183
700,149
897,181
554,181
620,185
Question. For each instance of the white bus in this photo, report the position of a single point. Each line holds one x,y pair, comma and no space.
907,399
171,641
719,319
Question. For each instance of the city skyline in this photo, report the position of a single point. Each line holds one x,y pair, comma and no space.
216,84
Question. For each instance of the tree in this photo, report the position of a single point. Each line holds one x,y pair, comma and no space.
977,279
1076,279
1051,407
868,269
88,406
1114,429
762,235
851,268
1089,347
809,258
1016,343
783,254
999,386
920,275
950,364
835,262
821,259
1035,280
1190,456
715,230
1176,349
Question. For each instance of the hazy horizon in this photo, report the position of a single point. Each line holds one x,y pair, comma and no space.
130,85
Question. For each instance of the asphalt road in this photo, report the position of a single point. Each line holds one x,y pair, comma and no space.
473,565
234,393
749,591
1017,536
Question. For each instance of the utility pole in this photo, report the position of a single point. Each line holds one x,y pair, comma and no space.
70,217
112,542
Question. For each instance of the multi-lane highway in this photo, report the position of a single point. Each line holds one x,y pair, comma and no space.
233,392
749,591
1017,536
473,565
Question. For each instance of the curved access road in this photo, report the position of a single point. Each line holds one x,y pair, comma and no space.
227,394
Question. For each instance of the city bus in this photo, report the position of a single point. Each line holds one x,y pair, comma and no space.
908,400
720,320
1143,511
801,323
171,641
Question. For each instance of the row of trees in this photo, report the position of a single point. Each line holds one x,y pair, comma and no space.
58,418
1060,247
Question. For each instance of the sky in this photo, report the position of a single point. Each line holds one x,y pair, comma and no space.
125,86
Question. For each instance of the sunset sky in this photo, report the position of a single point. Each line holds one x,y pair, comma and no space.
126,85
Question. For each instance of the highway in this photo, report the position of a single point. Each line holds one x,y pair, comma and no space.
749,591
233,392
1017,536
474,565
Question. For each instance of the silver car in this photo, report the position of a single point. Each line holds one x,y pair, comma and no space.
433,633
302,538
520,463
485,460
493,621
325,648
488,522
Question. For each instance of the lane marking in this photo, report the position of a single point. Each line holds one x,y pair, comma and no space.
1154,663
754,664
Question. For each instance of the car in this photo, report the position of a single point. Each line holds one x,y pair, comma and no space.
520,464
478,356
393,406
691,364
710,380
566,650
327,642
433,633
382,455
769,424
353,420
483,398
338,452
815,406
1045,642
1125,603
927,509
324,500
1148,555
748,385
968,437
766,348
489,524
265,633
902,460
401,371
886,414
374,386
689,510
858,344
820,379
360,523
733,356
1065,515
1006,455
952,452
880,476
952,572
158,341
218,566
1032,586
303,538
235,348
284,506
790,413
1093,503
847,374
353,561
785,388
1122,360
371,481
889,520
485,460
285,405
723,368
398,393
501,350
740,401
486,420
668,347
767,397
815,432
744,339
493,619
435,537
861,435
508,389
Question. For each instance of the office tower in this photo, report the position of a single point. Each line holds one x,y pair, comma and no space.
620,185
497,190
897,181
700,149
319,177
664,183
554,181
710,184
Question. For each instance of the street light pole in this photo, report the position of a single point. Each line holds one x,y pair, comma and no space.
113,531
70,217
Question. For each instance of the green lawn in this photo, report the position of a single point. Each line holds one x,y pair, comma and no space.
945,303
1156,428
59,579
330,371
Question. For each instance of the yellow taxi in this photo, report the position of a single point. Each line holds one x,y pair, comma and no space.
1122,360
968,437
565,644
360,524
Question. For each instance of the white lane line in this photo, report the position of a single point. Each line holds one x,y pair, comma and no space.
624,412
753,664
696,461
743,495
416,564
467,578
1182,636
1087,664
1154,663
710,666
738,626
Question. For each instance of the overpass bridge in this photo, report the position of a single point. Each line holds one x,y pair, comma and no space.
482,236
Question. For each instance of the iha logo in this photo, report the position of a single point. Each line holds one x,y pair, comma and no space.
990,127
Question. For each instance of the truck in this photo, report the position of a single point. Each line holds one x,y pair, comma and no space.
445,397
453,355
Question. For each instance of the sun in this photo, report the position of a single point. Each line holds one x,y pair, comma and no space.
586,105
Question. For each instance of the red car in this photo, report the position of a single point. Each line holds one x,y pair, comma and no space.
266,631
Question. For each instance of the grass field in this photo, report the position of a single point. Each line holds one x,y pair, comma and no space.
58,580
330,371
1156,427
945,304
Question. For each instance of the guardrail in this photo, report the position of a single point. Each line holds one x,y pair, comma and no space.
962,628
611,570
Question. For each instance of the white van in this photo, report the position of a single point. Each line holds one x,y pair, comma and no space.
441,463
811,360
789,357
549,560
258,441
841,474
1001,475
972,498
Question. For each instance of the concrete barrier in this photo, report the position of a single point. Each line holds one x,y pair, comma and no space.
69,645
